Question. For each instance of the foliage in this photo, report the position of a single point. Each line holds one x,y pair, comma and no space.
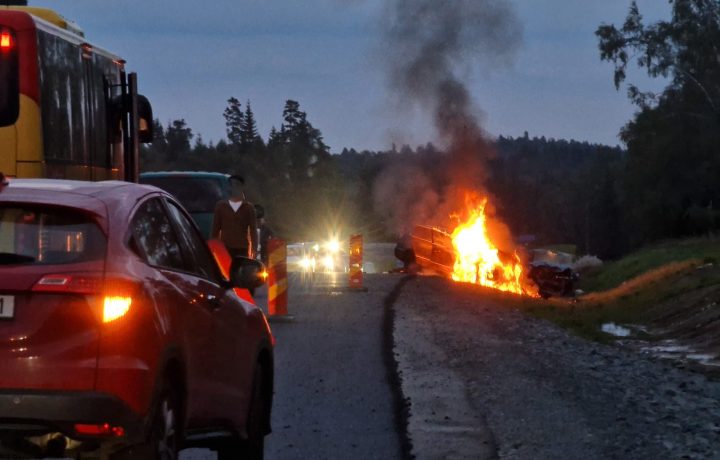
574,201
177,137
669,185
234,121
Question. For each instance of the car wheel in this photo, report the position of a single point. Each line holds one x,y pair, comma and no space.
164,440
164,433
252,448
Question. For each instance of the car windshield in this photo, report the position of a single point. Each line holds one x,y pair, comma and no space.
196,194
40,235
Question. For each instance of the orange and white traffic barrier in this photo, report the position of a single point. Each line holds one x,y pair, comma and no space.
355,279
277,278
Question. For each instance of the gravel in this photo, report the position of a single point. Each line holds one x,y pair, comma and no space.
486,381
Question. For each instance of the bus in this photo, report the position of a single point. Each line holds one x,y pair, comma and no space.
68,109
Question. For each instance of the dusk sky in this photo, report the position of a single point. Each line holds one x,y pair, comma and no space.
192,56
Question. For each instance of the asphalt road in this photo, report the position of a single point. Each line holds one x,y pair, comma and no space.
333,398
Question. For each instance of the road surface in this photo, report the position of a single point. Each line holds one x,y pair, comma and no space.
480,380
333,398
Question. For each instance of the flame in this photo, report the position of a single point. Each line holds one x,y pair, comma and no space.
477,258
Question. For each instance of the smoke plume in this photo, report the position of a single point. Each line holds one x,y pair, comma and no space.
431,47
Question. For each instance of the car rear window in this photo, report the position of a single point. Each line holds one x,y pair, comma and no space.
196,194
38,235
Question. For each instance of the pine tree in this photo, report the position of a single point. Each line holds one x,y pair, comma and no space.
178,136
304,142
159,143
249,134
234,121
276,140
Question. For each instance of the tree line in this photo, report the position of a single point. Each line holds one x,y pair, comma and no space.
605,200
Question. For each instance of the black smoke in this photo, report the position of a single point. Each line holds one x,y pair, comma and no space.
431,48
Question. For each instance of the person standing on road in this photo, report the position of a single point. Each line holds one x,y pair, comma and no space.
235,223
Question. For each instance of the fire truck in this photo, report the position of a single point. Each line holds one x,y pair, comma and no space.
68,108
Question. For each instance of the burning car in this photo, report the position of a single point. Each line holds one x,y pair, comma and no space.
469,253
552,272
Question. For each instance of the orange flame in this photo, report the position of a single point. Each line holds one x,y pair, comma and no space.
479,261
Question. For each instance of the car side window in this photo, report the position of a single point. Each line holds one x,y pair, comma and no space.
154,236
201,260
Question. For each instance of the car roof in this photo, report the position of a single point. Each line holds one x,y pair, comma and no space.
207,174
95,197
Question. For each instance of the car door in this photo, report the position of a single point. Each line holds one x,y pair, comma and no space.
233,373
176,294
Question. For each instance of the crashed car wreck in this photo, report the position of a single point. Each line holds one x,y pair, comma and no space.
553,273
432,249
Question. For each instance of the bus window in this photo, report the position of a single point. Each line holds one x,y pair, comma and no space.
9,78
63,98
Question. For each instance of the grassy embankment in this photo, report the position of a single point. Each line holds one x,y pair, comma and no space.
626,291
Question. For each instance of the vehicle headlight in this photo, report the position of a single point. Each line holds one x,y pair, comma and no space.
307,263
329,263
333,246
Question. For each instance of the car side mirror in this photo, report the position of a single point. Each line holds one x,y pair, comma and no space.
119,107
145,120
247,273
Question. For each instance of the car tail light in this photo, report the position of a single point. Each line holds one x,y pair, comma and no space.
7,39
103,429
115,307
116,293
75,283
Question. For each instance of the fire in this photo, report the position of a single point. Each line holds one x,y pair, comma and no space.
477,258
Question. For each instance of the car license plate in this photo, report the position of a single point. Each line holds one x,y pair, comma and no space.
7,306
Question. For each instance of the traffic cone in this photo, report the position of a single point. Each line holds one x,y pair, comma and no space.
277,280
355,276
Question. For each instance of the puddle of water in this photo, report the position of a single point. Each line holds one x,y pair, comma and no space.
670,349
616,330
702,358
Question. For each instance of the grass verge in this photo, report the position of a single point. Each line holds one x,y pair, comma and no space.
625,291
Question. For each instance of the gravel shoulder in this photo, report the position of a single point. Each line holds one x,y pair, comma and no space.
485,381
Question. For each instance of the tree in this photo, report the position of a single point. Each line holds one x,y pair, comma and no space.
684,49
178,136
276,139
234,121
673,141
304,143
159,143
250,140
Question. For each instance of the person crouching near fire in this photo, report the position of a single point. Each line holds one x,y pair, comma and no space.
234,222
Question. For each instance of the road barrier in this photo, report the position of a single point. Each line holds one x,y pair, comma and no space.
277,278
355,278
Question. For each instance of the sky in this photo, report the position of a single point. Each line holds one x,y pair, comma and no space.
192,56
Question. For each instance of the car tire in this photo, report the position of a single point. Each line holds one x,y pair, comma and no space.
164,439
165,433
252,448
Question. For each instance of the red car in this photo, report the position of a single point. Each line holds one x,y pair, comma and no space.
122,333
